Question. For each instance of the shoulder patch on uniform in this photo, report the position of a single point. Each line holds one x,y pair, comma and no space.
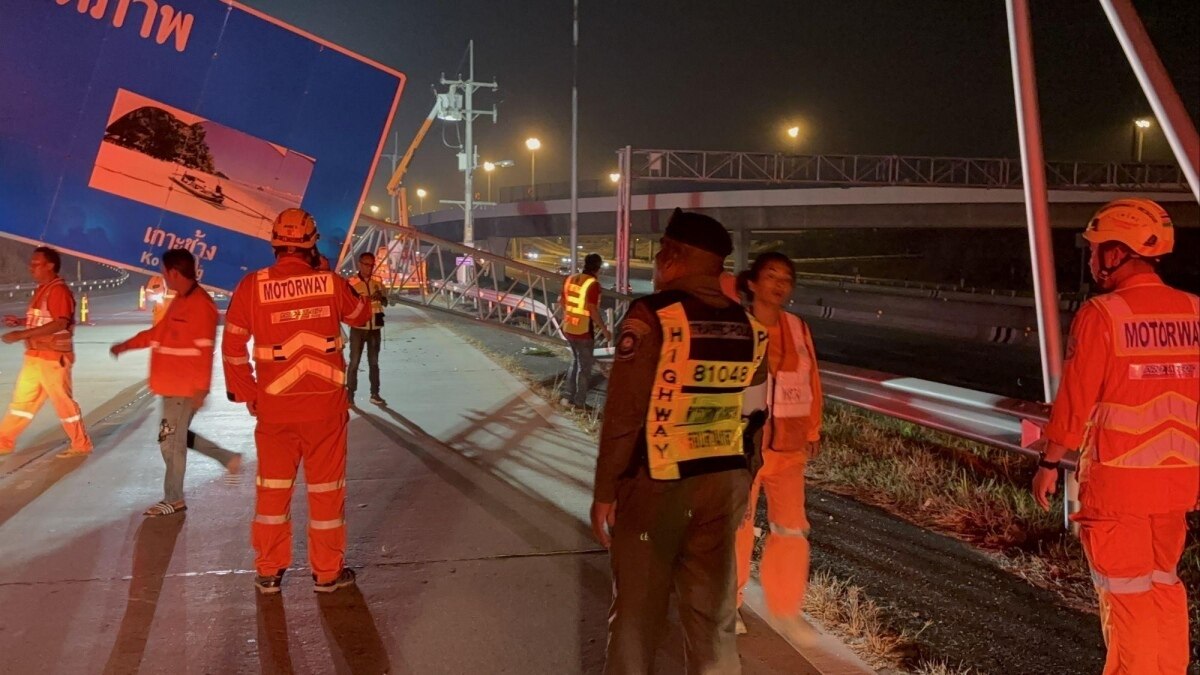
633,331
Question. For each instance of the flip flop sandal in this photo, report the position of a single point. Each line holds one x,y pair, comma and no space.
163,509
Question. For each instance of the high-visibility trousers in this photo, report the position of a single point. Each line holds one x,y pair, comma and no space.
321,445
1143,604
42,379
783,568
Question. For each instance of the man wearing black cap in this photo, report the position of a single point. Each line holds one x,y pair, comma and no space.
671,476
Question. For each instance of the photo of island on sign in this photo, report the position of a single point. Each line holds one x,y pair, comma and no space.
163,156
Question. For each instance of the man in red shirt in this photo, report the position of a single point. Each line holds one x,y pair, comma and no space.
296,389
49,355
580,303
181,357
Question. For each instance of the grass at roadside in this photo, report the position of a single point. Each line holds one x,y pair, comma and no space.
968,491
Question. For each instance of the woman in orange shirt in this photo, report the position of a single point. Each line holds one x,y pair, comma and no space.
791,437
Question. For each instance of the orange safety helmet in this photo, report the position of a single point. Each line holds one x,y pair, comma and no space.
295,228
1140,224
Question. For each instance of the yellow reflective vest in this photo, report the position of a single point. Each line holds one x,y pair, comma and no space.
576,319
708,358
369,290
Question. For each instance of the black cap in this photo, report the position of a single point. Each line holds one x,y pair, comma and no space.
695,229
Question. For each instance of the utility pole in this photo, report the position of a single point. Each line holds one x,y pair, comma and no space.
468,159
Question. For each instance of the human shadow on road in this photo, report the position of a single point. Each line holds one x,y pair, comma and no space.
543,525
154,545
106,430
274,657
351,631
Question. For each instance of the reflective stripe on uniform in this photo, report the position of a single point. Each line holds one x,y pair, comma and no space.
326,524
789,531
299,341
1164,578
1171,444
576,315
1143,418
307,366
272,520
1122,585
327,487
274,483
178,351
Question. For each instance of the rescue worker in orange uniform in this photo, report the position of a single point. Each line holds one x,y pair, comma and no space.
790,439
49,356
580,301
671,475
297,391
181,359
1128,401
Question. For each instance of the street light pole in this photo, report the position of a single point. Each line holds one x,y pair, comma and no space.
1139,137
1168,108
575,140
533,144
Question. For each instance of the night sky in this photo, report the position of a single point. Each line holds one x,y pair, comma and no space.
871,77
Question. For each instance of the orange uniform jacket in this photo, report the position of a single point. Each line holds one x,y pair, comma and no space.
293,313
181,345
1128,398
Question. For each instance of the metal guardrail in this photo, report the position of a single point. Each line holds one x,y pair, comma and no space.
864,170
27,288
976,416
1068,301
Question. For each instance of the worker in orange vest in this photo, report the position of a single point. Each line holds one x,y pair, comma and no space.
1128,401
297,391
790,439
49,357
580,301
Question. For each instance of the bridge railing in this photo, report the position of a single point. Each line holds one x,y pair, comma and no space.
708,166
433,273
450,278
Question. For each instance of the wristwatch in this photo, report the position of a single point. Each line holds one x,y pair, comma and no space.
1042,463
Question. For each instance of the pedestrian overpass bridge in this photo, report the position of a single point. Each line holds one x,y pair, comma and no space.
770,192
